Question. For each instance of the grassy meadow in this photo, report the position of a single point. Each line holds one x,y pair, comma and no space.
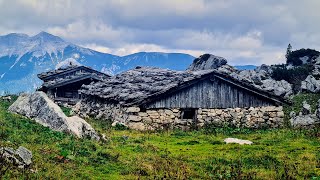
127,154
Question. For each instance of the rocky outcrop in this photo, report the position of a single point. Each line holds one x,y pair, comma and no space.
305,119
316,70
310,84
280,88
44,111
20,158
260,78
206,62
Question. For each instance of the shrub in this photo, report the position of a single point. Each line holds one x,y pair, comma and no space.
294,57
293,76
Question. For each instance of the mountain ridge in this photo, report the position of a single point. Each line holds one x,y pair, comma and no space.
22,57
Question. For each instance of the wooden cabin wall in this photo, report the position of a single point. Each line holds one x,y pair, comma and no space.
211,93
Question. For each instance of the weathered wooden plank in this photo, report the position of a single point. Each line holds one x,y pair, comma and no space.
211,94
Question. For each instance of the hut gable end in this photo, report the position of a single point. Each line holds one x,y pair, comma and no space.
210,93
63,84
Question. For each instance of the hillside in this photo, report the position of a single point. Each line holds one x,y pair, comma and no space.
128,154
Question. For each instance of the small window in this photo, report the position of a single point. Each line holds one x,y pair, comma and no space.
188,113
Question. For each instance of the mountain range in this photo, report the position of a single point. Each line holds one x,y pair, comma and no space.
22,57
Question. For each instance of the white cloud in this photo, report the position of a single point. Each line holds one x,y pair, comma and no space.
134,48
245,31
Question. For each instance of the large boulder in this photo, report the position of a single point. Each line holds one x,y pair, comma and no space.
207,61
44,111
21,158
310,84
279,88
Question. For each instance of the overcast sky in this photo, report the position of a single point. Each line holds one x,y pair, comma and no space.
243,31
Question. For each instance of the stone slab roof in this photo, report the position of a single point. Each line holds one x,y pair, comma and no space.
62,70
135,86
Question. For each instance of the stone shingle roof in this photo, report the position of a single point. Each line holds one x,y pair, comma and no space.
135,86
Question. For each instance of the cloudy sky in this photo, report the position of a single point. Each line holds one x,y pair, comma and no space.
243,31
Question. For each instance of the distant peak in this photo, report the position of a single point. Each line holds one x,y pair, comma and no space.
43,33
16,35
47,36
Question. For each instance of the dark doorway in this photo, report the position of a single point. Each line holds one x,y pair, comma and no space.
189,116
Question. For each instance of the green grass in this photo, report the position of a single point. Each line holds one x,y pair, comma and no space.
311,99
66,110
128,154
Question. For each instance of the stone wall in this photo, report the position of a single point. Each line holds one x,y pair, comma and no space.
253,117
156,119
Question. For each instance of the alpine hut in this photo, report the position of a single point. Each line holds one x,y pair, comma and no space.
152,98
63,84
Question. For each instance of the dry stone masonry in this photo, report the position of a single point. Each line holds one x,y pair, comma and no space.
155,119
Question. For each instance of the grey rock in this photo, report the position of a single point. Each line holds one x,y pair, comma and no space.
237,141
45,112
260,78
293,114
316,71
305,121
265,68
306,108
317,61
310,84
24,154
206,62
227,69
318,110
137,126
304,59
280,88
20,158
